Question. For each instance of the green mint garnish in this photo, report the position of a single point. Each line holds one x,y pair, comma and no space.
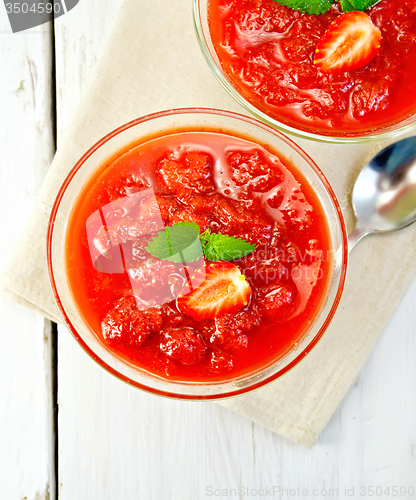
317,7
361,4
309,6
224,247
347,6
177,243
182,242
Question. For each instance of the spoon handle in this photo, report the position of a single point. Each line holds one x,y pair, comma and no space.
358,233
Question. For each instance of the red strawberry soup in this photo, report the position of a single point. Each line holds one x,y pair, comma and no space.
288,64
239,296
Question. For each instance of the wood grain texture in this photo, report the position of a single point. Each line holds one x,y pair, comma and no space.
26,150
118,442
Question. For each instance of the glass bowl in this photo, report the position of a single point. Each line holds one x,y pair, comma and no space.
153,126
380,131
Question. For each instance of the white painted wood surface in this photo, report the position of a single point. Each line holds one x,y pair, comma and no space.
118,443
26,150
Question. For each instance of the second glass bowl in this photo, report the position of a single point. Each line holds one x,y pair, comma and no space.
384,127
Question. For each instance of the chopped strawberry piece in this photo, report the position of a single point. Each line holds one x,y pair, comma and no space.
155,281
192,169
369,97
238,323
121,232
167,206
183,344
152,272
229,331
253,170
196,160
167,172
173,318
234,217
125,323
220,361
278,302
269,264
125,219
267,271
349,43
182,215
221,289
235,343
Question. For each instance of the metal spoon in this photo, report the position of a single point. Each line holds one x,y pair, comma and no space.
384,195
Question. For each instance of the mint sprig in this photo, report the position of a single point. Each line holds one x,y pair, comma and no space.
224,247
316,7
360,4
182,242
177,243
347,6
309,6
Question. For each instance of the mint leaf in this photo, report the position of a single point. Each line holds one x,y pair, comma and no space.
309,6
177,243
183,243
321,6
192,253
224,247
205,236
347,6
362,4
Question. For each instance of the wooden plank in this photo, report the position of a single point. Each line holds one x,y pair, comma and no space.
26,149
118,442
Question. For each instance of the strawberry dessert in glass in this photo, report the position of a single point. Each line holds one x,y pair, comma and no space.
197,260
330,71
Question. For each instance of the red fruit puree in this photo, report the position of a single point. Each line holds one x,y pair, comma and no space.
231,186
267,51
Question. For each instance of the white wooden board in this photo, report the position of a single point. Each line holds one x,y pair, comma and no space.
26,149
116,442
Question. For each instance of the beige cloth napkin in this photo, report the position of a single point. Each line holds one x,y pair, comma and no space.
151,62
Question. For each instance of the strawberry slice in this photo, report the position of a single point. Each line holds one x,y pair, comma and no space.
350,43
221,289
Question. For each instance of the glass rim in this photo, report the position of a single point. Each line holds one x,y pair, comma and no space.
167,393
282,127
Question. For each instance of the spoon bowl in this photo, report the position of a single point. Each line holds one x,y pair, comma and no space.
384,195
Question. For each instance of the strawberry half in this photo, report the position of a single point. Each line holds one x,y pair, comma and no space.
221,289
350,43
